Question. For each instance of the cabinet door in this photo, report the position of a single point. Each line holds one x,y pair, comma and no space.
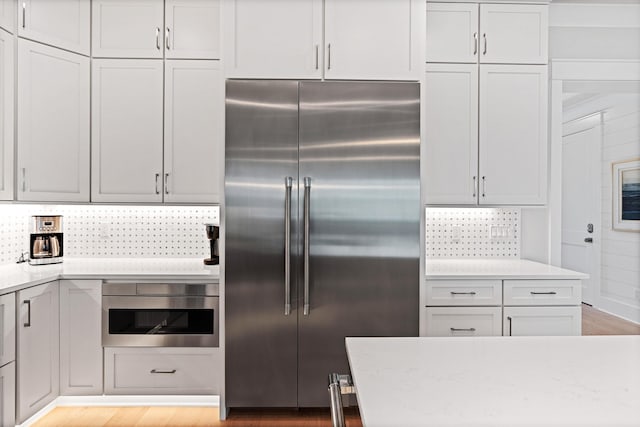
126,130
6,115
372,40
38,348
7,328
60,23
513,134
193,137
80,337
53,124
514,34
529,321
8,15
451,133
8,395
127,29
192,29
452,32
273,39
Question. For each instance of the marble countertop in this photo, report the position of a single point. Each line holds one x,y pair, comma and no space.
497,381
456,268
14,277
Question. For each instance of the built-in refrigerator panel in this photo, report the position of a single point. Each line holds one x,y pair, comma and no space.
261,152
346,234
359,156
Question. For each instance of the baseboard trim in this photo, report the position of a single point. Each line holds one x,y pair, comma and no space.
619,309
147,400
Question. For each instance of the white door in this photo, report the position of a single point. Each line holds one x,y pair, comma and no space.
542,321
581,206
193,137
8,394
273,39
80,337
514,34
38,348
452,32
127,28
513,134
8,15
6,115
192,29
451,133
59,23
53,124
126,130
367,39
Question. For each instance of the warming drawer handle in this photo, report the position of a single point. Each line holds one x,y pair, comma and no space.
463,293
463,329
544,293
307,207
288,182
162,371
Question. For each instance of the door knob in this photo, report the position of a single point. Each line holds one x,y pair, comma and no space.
589,228
588,240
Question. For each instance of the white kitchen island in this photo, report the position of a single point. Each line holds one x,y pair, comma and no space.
497,381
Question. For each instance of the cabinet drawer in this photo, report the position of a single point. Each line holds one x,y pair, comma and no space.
464,292
162,371
462,321
542,292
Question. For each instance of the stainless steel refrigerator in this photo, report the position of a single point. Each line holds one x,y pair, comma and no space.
322,223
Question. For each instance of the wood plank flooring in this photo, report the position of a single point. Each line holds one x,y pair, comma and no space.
594,322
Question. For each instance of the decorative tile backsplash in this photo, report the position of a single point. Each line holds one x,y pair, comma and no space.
113,231
472,232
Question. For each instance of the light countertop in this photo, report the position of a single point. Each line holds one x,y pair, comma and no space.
497,381
19,276
456,268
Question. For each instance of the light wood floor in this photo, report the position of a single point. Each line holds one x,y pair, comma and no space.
594,322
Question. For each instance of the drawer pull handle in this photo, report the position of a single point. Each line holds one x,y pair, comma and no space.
543,293
160,371
462,293
463,329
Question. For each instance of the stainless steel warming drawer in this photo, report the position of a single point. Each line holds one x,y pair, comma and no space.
160,314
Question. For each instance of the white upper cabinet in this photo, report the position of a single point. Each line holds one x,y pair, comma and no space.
513,134
488,33
53,124
128,28
192,29
126,130
141,29
367,39
59,23
6,115
515,34
450,112
363,39
273,39
452,32
8,15
193,135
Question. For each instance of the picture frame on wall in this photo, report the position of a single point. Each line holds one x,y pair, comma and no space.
626,195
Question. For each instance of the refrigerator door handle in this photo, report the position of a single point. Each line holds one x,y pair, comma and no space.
307,206
288,182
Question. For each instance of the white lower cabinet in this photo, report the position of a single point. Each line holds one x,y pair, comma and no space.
8,394
162,370
80,337
528,321
463,321
38,348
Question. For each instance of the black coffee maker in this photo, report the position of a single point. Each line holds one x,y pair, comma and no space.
213,234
